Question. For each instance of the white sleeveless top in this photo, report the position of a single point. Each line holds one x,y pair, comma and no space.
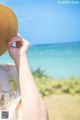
10,99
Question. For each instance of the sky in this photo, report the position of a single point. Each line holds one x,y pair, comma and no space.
47,21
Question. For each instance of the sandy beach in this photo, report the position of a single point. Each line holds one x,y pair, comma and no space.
61,107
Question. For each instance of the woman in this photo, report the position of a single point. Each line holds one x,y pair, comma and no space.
32,104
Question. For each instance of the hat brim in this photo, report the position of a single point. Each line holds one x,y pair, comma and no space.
8,26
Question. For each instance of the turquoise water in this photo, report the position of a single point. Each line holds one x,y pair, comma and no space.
57,60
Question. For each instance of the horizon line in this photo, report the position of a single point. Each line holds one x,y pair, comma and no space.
55,43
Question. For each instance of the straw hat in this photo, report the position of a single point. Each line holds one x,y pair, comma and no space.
8,26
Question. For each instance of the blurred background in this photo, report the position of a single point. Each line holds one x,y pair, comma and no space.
52,28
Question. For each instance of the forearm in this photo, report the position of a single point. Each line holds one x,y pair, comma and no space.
32,104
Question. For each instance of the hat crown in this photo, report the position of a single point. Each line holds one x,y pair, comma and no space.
8,26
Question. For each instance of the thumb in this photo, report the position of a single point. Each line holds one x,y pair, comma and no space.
9,45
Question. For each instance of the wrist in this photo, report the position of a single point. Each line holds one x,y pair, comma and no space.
19,58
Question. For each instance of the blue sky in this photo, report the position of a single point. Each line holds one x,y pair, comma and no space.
46,21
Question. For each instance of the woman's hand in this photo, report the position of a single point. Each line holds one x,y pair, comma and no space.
20,49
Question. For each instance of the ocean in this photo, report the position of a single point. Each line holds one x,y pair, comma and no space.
57,60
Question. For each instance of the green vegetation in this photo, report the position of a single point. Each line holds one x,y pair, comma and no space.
61,96
13,84
38,73
48,86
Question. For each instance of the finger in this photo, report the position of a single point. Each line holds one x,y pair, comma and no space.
20,41
19,35
12,44
16,38
19,44
26,42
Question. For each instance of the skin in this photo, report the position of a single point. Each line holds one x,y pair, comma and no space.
33,107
